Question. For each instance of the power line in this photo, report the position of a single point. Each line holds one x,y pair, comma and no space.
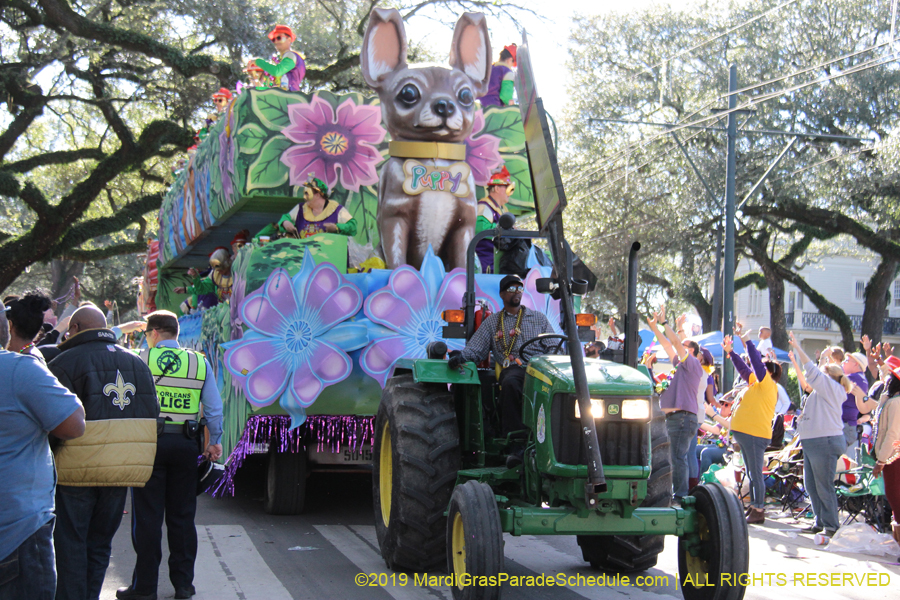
628,149
709,40
872,63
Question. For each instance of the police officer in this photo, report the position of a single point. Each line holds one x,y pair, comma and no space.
184,381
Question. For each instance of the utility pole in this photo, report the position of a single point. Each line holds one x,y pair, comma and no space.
730,167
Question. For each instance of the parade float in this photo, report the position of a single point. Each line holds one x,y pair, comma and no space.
305,332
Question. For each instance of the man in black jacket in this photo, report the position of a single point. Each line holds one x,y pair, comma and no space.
116,452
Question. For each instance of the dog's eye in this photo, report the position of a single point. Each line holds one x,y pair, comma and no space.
409,95
465,97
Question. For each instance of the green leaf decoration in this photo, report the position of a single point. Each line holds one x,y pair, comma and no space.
267,171
363,205
271,107
506,124
522,200
250,138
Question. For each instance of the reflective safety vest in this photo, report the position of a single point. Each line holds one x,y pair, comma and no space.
179,375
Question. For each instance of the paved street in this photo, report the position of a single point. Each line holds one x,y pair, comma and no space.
246,554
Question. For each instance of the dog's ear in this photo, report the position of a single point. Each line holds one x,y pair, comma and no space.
471,50
384,46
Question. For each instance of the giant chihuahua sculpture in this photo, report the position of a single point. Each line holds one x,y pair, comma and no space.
426,196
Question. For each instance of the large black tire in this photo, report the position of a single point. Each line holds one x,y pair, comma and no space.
723,549
630,553
474,541
415,460
286,482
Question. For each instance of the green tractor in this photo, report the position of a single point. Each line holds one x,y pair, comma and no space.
596,462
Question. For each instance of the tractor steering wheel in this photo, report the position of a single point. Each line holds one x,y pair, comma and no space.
557,349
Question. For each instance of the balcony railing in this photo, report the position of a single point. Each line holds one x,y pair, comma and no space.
819,322
816,321
789,319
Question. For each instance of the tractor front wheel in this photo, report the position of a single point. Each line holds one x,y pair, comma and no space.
415,460
474,542
712,568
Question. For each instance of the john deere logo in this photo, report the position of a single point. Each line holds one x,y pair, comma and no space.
168,362
613,409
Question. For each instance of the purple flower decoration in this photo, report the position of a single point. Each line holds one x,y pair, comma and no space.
407,314
327,139
482,152
298,341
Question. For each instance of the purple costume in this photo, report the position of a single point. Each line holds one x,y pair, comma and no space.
307,228
296,75
492,97
485,248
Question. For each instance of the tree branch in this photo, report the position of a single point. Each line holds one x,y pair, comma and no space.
60,16
107,252
831,221
61,157
125,216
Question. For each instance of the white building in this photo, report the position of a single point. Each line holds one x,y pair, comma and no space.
842,280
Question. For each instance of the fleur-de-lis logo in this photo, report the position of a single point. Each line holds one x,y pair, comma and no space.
120,390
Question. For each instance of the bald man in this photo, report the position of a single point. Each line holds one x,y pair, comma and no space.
121,410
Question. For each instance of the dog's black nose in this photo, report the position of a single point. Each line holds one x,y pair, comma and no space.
444,108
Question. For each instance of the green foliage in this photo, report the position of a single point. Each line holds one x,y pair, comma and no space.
631,182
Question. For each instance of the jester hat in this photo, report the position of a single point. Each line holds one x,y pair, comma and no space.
502,177
512,49
282,29
317,185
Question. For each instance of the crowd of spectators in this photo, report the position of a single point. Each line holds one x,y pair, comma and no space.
80,424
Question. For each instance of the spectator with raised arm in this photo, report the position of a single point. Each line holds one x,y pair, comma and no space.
751,423
821,433
854,366
679,400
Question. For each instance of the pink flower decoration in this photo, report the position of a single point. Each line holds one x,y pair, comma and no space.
327,139
482,152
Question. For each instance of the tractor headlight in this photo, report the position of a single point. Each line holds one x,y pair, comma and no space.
636,409
597,408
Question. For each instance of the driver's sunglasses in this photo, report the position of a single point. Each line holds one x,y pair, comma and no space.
280,37
514,288
220,100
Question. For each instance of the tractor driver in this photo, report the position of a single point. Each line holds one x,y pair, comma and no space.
503,334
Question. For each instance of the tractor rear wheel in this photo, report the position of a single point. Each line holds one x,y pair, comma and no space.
630,553
415,460
474,541
722,556
286,476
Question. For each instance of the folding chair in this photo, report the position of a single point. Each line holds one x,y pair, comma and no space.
866,497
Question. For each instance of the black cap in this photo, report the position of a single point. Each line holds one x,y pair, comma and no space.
511,280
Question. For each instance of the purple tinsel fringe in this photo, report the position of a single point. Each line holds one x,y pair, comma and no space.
328,431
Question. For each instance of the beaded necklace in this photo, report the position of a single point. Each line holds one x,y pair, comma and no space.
513,335
25,349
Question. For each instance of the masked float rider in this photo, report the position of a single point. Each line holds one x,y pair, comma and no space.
500,187
317,214
287,67
502,335
184,382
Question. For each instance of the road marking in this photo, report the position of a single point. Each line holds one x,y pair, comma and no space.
538,556
228,550
360,545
